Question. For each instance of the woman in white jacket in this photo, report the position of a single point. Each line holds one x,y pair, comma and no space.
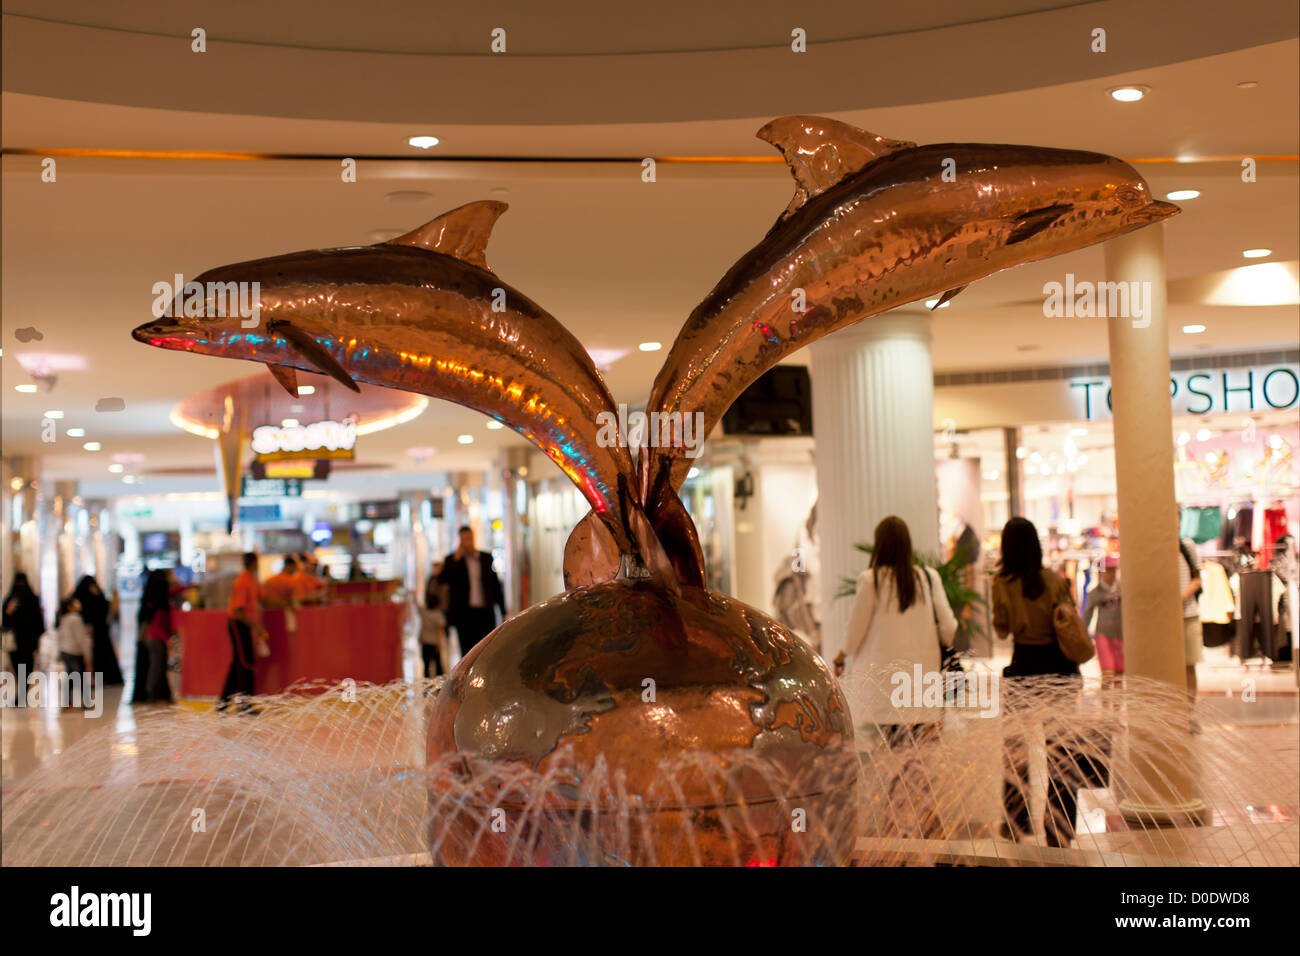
900,615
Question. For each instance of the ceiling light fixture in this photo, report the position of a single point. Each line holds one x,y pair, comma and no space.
423,142
466,439
1129,94
1182,195
306,390
116,468
76,433
494,425
26,389
650,346
289,423
54,413
1256,253
1203,435
1193,329
91,446
933,303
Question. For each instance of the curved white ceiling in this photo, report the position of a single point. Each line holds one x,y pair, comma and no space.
721,64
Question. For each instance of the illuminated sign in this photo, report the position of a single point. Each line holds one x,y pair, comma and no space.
328,439
1207,392
270,487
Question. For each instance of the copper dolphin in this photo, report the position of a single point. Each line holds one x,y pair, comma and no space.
423,313
878,223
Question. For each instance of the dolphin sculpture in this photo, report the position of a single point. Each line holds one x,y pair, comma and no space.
423,313
876,223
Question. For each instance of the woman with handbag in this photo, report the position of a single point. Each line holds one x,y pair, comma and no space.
900,619
1035,608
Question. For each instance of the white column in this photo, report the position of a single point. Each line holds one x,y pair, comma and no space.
873,423
1162,791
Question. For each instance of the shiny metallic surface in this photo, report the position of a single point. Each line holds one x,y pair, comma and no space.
875,224
401,315
630,674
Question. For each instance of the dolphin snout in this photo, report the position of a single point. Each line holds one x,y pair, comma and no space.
1153,211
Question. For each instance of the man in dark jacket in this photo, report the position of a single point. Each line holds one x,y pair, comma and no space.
474,591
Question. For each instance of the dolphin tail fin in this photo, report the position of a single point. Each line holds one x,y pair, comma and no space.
286,375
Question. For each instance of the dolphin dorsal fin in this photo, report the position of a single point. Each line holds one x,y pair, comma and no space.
462,233
822,152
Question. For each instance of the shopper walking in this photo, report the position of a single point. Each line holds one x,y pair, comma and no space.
1103,603
23,624
1189,587
433,625
95,612
1025,599
474,592
900,617
75,645
155,630
244,622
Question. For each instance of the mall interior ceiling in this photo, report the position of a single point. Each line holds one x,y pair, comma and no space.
171,161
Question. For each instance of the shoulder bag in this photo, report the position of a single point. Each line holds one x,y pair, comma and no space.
954,675
1071,635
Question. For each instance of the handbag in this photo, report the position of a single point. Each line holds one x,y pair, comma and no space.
261,647
954,674
1073,639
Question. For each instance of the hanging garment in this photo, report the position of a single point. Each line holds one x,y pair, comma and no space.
1255,627
1217,603
1208,525
1274,527
1189,521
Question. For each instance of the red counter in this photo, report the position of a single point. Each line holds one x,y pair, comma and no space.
331,643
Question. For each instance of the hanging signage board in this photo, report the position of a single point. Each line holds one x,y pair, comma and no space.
302,469
325,440
253,514
1205,392
270,487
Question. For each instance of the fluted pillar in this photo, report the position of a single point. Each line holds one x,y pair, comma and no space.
873,423
1162,785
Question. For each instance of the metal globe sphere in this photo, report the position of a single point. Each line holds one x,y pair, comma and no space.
725,737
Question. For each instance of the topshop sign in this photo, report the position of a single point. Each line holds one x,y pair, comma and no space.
1207,392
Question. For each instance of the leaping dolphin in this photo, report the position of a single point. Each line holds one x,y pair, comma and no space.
423,313
877,223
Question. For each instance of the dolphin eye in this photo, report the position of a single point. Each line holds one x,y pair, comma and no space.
1128,196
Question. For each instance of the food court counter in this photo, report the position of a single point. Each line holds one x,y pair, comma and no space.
327,643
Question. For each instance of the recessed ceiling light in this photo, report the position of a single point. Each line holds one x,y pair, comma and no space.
932,303
1035,457
1182,195
1193,329
494,425
650,346
91,446
1203,435
306,389
116,468
992,475
1184,438
1045,470
76,433
693,473
499,190
1247,84
1256,253
466,439
54,413
1020,452
423,142
25,389
1129,94
289,423
1078,432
